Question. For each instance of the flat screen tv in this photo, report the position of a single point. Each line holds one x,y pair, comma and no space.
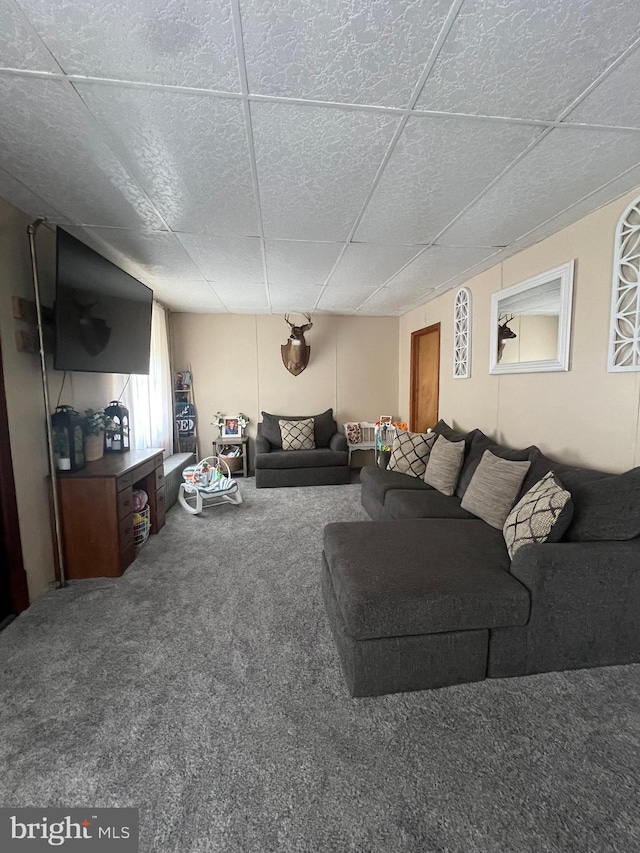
102,314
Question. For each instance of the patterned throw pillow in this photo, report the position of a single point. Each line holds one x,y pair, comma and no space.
494,488
444,464
410,452
354,433
297,435
541,515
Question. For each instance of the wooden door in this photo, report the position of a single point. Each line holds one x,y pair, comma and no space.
425,378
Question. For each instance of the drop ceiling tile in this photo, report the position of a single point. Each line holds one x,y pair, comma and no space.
50,143
21,197
188,296
247,299
315,167
290,299
156,254
338,299
357,51
518,58
616,101
20,47
180,43
566,166
190,153
232,260
370,264
432,268
438,166
299,264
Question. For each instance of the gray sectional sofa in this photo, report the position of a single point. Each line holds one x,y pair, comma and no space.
327,464
427,596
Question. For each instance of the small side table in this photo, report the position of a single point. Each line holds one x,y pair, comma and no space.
220,442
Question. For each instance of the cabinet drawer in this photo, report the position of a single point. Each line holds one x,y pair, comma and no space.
125,502
159,478
158,461
123,482
125,531
142,470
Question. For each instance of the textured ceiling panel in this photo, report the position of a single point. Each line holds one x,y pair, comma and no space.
250,298
315,167
20,47
22,198
233,260
290,299
337,300
436,169
524,58
370,265
180,42
561,170
298,264
357,51
50,143
189,151
432,268
190,296
616,100
157,254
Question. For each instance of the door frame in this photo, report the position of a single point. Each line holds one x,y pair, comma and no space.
415,349
18,587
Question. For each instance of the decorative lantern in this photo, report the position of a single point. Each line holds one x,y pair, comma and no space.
116,437
68,438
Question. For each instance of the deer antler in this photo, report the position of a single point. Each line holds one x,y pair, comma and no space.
307,325
286,319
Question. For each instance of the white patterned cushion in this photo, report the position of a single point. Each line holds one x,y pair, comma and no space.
410,452
354,433
297,435
541,515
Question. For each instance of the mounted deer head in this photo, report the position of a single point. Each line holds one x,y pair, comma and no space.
504,334
295,353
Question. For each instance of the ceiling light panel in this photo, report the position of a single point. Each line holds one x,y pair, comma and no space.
247,299
157,254
616,100
315,167
232,260
188,296
299,264
190,153
357,51
20,47
566,166
432,268
438,166
370,264
180,43
50,143
519,58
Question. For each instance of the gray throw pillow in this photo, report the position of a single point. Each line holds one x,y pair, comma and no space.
297,435
444,464
542,515
606,509
493,488
410,452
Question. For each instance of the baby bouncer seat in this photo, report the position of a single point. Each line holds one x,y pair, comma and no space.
207,484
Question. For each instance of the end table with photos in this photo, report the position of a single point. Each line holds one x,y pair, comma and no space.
237,464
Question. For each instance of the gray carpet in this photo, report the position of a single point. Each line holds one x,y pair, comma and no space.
203,687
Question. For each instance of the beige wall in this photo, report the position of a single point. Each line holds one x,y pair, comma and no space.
586,415
23,386
237,366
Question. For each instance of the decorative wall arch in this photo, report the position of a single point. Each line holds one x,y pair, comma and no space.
624,336
462,334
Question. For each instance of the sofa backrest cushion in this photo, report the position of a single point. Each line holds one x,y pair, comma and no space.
443,465
324,427
542,515
494,487
442,428
605,508
410,452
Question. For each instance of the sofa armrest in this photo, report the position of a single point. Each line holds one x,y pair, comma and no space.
338,441
262,444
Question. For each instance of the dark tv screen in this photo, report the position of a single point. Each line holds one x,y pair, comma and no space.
102,314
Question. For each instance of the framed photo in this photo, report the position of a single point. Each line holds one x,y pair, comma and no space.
385,420
231,427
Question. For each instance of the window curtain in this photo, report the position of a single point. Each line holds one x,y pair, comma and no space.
149,398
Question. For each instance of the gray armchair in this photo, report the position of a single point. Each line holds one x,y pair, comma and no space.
327,464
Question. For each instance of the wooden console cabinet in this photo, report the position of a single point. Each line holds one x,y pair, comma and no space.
96,505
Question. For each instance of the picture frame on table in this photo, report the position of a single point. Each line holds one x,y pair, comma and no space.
386,420
231,427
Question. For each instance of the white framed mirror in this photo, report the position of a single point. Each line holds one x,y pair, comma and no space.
531,323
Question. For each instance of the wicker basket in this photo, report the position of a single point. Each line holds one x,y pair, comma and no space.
234,462
141,526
